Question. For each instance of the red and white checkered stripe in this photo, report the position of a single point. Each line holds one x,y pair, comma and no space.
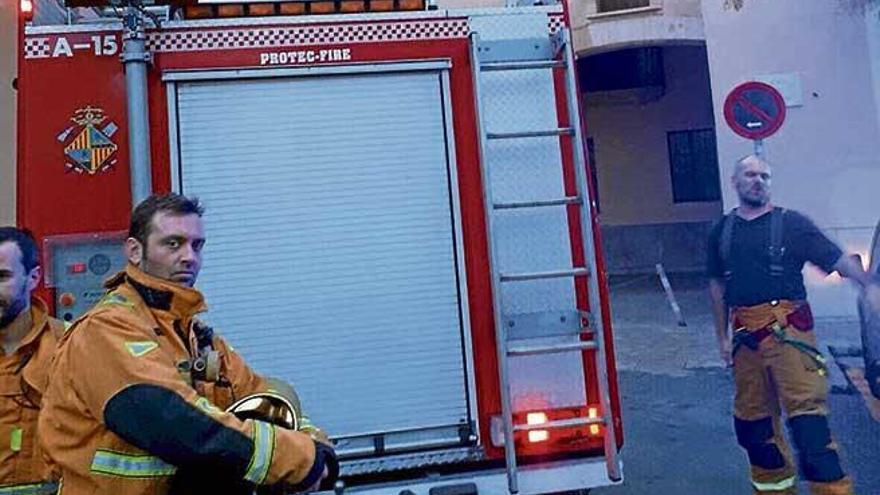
37,48
188,40
328,34
554,22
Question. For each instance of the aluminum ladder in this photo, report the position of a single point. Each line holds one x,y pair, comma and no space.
552,54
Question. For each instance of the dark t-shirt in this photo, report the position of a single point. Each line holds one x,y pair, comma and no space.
749,260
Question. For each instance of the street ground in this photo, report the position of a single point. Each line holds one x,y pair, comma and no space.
677,398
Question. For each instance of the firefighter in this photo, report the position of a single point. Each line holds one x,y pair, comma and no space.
139,384
28,336
755,258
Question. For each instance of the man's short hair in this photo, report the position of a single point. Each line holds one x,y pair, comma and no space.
25,241
173,203
742,160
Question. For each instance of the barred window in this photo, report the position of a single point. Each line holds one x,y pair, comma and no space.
693,162
615,5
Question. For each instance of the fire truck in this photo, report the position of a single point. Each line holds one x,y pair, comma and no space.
398,212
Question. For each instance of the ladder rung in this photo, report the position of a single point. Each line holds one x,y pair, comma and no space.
568,200
561,423
579,332
528,134
573,272
550,348
525,65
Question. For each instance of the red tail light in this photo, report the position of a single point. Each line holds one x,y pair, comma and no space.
554,438
26,9
537,418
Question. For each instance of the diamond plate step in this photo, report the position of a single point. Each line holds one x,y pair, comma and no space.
401,462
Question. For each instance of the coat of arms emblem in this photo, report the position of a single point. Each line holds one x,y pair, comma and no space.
88,144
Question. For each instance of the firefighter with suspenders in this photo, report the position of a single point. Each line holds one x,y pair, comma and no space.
755,257
28,336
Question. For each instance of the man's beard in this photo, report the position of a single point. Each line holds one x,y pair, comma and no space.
755,202
9,311
756,199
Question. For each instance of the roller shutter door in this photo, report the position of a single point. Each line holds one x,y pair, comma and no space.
330,259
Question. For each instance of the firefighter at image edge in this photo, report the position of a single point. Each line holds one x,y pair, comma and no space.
28,337
755,258
128,406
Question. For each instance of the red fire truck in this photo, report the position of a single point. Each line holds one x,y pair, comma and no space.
398,213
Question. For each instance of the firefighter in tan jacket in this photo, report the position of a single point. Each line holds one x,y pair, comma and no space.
28,338
136,394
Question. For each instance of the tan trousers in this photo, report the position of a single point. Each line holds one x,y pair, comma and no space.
774,374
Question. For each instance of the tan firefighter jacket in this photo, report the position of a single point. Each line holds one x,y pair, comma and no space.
24,375
126,407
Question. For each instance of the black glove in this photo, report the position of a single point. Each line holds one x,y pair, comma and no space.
325,457
332,464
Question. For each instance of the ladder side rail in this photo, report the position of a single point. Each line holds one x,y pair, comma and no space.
500,333
588,245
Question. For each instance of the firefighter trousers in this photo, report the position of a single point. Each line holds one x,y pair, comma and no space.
779,374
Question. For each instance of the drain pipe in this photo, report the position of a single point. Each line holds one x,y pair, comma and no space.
135,59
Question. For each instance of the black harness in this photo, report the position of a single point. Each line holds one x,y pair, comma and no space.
752,339
777,250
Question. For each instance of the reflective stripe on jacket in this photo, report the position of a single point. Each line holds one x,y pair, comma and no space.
46,488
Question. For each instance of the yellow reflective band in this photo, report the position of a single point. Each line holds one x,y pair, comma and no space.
138,349
205,405
130,465
117,299
15,440
778,486
306,425
30,489
264,448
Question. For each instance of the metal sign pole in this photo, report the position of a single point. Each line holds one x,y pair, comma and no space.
759,148
135,59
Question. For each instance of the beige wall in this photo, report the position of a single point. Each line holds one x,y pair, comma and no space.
589,8
8,43
827,155
468,4
664,21
872,23
631,150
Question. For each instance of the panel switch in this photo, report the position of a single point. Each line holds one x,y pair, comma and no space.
67,299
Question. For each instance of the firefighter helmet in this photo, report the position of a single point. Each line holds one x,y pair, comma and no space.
271,407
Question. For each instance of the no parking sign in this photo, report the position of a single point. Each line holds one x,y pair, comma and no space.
754,110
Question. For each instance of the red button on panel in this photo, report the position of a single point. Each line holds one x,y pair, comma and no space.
67,299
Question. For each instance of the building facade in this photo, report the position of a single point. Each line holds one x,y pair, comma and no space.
822,55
